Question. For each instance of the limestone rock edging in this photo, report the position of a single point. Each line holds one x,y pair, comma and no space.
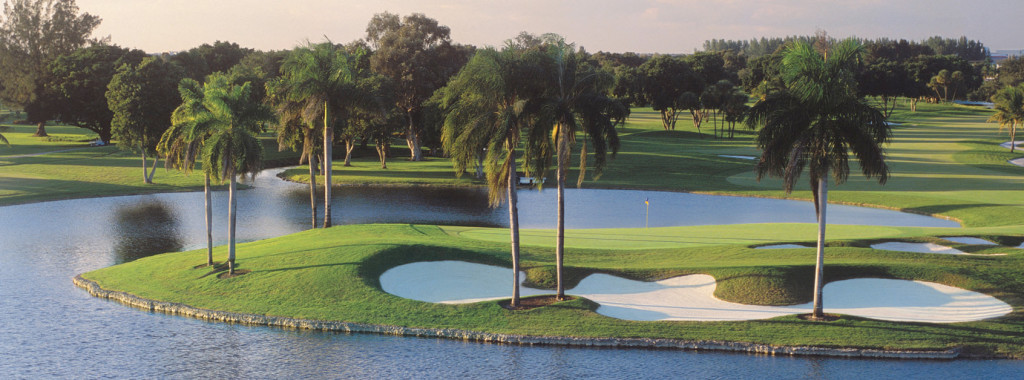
458,334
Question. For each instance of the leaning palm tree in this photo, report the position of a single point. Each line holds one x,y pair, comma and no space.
322,78
1009,106
231,148
576,102
182,142
485,111
814,123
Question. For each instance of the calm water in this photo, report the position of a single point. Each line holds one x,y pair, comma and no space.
49,328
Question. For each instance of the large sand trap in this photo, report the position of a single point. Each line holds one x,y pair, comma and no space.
739,157
918,248
691,298
968,240
1017,161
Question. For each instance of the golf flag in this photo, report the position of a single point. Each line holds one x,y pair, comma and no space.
647,213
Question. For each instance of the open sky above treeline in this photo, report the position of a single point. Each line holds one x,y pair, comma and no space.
641,26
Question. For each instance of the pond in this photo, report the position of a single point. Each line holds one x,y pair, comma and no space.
53,329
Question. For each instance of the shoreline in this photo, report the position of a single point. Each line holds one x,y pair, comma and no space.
172,308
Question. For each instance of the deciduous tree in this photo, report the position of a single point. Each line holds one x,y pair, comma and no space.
142,99
33,33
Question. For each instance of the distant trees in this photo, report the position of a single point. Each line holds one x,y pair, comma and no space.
417,54
142,99
205,59
78,84
33,33
662,82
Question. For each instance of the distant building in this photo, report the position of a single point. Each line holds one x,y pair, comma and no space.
1001,55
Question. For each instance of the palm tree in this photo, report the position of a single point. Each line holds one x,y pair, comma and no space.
1009,106
231,148
295,133
815,122
577,102
322,78
182,142
486,106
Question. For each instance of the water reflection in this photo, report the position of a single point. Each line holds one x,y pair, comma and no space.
144,229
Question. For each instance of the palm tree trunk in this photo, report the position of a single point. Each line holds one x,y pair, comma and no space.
209,221
513,222
312,187
232,209
1013,134
819,266
563,158
328,142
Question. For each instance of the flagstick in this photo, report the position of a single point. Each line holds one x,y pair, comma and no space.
647,216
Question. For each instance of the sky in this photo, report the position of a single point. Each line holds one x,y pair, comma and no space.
641,26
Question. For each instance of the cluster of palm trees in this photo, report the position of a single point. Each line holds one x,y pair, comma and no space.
542,92
216,126
217,123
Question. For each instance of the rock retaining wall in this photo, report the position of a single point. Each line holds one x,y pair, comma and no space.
262,320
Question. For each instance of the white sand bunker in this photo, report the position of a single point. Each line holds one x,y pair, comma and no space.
1017,161
968,240
691,298
918,248
1008,143
739,157
782,246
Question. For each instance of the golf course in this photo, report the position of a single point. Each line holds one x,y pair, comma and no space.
945,161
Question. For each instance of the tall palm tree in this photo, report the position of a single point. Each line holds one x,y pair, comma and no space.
486,106
1009,106
295,133
577,102
322,78
815,122
231,148
182,142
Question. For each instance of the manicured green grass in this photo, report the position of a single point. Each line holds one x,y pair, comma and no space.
62,166
333,275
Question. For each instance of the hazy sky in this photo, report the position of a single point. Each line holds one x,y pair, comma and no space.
643,26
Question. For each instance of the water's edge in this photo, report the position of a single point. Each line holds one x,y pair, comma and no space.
473,336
